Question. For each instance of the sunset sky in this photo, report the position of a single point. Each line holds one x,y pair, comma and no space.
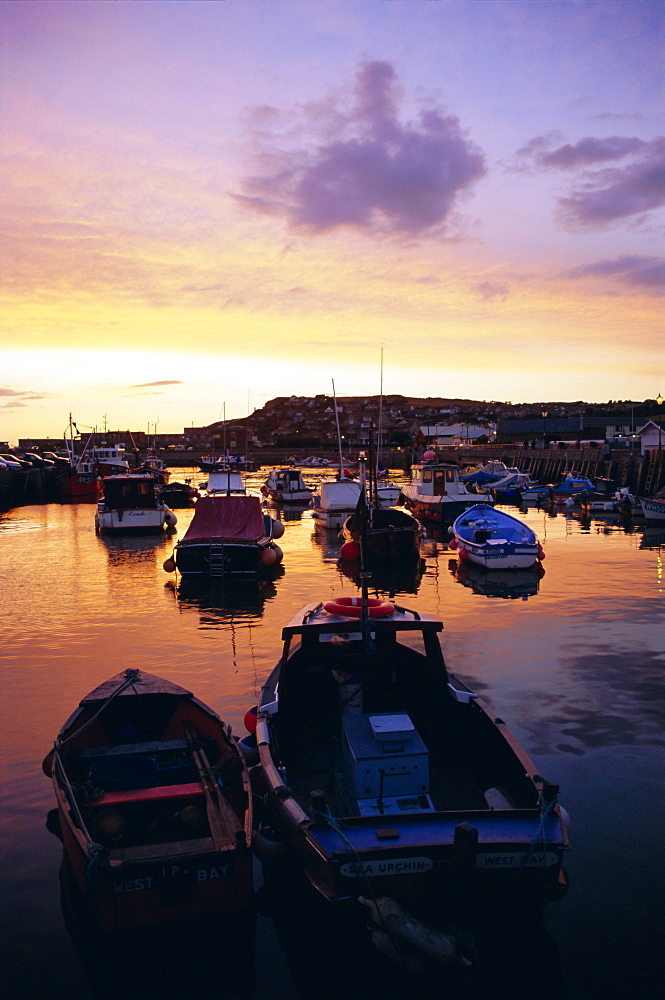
206,205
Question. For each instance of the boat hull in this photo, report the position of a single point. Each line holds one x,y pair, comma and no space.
135,521
73,485
441,510
216,560
652,508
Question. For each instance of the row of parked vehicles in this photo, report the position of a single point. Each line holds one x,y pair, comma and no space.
30,460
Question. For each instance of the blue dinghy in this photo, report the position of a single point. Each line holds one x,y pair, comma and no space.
494,539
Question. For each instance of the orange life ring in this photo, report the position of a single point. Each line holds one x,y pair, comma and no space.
351,607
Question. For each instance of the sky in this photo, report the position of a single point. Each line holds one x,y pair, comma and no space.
208,205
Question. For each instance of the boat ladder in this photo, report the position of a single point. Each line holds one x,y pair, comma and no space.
216,560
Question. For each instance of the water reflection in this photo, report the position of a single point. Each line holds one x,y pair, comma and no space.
387,578
218,602
206,959
511,584
125,549
330,956
329,542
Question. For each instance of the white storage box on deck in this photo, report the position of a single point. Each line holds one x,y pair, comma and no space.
385,759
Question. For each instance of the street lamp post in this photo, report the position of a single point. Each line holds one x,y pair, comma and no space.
544,412
659,400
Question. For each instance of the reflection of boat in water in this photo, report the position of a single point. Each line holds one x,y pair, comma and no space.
514,584
653,538
188,959
387,578
216,601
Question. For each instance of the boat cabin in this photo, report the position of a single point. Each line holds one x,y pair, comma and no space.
130,492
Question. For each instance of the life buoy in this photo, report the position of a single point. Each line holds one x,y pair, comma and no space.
351,607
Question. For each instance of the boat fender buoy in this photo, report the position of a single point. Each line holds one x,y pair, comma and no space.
265,491
251,718
268,843
452,544
541,552
249,749
268,556
277,528
463,553
278,552
169,565
349,551
351,607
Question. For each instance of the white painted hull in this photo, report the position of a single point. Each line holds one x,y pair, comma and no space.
653,510
139,521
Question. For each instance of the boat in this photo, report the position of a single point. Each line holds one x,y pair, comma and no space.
374,533
653,507
491,472
334,501
286,486
621,501
212,462
228,536
570,489
130,504
178,495
111,460
224,480
510,487
388,778
435,492
154,803
77,477
386,533
491,538
153,465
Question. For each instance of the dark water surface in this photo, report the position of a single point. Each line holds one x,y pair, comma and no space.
572,661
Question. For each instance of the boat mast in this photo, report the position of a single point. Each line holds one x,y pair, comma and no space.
380,438
339,436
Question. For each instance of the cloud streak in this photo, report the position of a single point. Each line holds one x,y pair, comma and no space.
635,270
603,194
369,170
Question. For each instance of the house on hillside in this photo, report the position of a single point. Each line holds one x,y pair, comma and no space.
454,435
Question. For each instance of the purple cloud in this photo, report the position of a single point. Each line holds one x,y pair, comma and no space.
613,194
491,292
631,269
606,194
589,151
369,170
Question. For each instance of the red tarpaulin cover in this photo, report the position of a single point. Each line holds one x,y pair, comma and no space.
226,518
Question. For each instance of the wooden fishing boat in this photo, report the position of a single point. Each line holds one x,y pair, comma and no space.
130,504
228,536
154,803
389,778
493,539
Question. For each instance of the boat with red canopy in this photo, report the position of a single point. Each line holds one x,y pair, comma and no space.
228,535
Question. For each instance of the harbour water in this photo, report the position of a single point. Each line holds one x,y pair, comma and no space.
572,659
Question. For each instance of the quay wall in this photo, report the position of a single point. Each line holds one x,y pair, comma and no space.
644,475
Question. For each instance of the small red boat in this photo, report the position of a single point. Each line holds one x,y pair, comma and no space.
154,804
